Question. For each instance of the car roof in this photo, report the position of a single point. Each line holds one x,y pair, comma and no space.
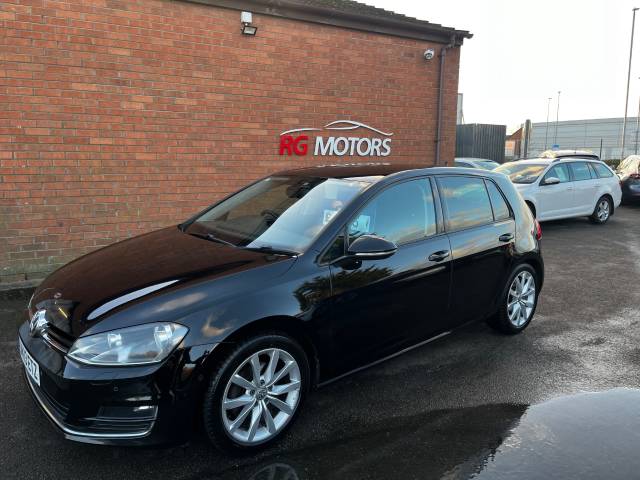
548,161
355,170
474,159
536,161
569,153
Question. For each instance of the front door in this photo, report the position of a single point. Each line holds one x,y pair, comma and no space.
556,200
382,306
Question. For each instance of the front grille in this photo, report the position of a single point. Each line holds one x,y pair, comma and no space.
58,339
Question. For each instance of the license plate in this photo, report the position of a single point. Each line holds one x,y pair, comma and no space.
30,365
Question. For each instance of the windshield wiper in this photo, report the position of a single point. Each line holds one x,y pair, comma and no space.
274,251
212,237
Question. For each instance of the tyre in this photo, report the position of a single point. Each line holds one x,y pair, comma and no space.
255,393
518,302
602,212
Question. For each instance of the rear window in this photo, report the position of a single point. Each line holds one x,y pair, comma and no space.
500,207
466,201
602,170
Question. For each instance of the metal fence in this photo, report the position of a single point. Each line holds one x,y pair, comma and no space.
601,136
481,141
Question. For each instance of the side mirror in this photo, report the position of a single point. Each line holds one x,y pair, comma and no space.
370,247
551,181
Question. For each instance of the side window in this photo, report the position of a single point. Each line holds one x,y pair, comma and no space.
466,201
561,172
402,213
580,171
602,170
500,207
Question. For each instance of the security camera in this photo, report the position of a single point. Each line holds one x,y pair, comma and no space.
429,53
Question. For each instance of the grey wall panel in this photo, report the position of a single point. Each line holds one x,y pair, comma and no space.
481,141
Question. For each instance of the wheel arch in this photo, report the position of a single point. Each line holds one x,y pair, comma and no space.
537,265
534,263
532,206
286,325
611,201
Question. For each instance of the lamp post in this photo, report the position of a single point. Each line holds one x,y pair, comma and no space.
637,126
546,133
626,100
555,138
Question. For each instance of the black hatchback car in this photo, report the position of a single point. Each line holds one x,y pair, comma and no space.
304,276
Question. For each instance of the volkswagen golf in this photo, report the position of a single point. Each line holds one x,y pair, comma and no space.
231,318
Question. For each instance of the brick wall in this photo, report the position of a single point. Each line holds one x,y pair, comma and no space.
122,116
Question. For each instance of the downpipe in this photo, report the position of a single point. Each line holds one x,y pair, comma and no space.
443,53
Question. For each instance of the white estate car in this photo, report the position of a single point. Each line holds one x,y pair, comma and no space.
566,187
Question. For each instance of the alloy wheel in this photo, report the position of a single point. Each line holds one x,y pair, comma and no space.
603,210
261,396
521,298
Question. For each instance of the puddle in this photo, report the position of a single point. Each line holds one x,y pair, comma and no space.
590,435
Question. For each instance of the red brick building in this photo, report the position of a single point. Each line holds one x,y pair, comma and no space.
123,116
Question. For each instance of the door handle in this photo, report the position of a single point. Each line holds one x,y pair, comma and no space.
439,256
507,237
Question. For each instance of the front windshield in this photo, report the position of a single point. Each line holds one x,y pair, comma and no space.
280,212
522,172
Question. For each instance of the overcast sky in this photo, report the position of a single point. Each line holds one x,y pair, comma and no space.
523,52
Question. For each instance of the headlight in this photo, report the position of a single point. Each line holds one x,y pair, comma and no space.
138,345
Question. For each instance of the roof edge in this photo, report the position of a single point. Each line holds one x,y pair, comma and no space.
409,28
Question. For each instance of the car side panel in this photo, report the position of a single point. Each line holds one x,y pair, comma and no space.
554,201
481,265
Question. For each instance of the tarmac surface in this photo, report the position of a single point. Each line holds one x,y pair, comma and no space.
560,400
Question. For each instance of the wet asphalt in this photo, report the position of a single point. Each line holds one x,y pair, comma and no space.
561,400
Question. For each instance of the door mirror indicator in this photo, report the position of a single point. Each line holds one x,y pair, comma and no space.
551,181
371,247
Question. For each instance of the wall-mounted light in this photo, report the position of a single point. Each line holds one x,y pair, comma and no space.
246,18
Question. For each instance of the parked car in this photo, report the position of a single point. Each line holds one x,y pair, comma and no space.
294,281
482,163
566,187
629,173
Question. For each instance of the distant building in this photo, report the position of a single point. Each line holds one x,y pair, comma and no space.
601,136
513,145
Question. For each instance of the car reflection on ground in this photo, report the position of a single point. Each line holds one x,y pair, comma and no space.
589,435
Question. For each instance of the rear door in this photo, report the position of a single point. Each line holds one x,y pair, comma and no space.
585,188
555,200
481,230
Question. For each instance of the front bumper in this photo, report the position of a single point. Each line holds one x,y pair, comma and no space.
141,405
